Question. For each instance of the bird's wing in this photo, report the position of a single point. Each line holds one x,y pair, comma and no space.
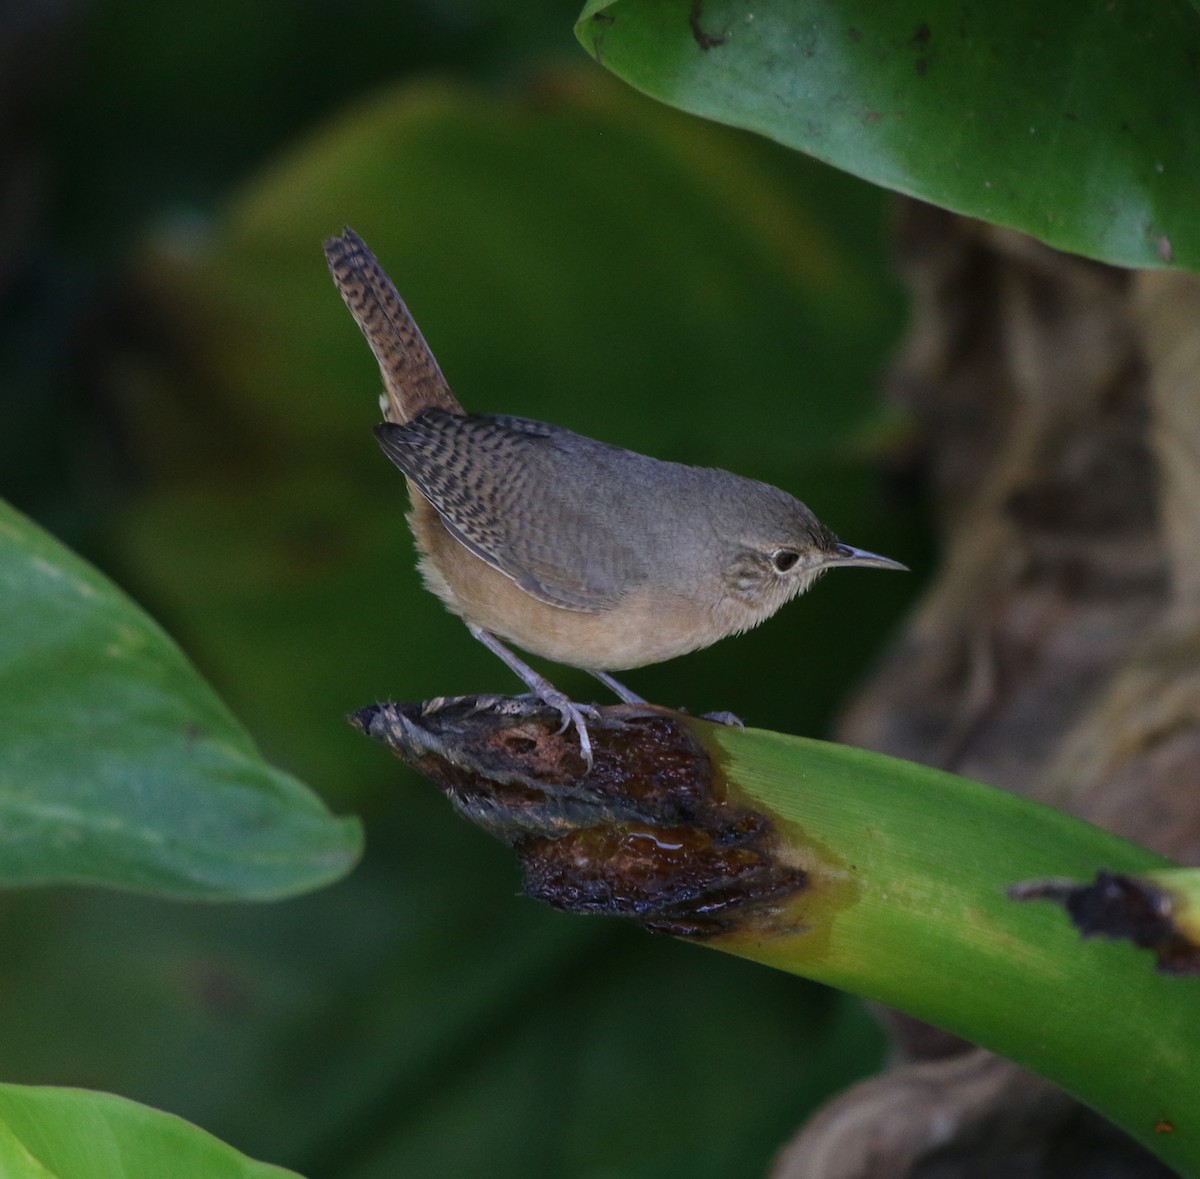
525,497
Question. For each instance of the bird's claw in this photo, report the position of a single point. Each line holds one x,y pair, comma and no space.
573,714
724,717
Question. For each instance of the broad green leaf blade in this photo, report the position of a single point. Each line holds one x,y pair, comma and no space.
1076,122
907,903
48,1133
119,765
15,1159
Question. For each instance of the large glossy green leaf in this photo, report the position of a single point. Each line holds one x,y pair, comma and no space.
119,765
1076,122
48,1133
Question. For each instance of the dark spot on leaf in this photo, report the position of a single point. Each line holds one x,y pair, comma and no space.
604,18
855,34
706,41
1126,907
922,66
922,35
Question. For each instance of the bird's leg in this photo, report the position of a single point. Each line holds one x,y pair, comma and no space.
572,713
616,687
619,689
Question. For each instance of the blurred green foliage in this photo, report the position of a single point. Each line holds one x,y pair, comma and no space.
189,402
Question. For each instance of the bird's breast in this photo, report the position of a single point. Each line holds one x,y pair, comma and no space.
648,625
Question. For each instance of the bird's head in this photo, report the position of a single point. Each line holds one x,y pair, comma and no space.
779,550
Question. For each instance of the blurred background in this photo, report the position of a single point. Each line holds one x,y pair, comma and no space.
184,399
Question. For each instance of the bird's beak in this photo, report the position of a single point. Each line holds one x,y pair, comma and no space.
844,554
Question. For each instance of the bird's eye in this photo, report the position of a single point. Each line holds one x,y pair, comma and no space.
784,559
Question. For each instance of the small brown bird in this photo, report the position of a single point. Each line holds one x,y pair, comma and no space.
585,553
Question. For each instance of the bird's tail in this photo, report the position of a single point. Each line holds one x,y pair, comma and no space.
411,378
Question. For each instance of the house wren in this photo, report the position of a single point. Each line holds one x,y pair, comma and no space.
585,553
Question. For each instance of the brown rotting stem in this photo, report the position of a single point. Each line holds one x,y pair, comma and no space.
646,834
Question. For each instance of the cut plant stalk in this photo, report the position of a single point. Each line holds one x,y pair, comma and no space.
875,875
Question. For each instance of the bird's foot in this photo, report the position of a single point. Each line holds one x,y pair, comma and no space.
572,714
545,691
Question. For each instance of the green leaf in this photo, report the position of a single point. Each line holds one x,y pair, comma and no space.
1075,122
48,1133
119,765
907,903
